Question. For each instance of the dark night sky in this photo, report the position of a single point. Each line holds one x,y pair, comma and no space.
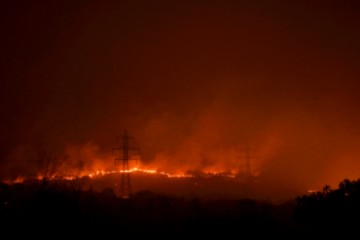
191,80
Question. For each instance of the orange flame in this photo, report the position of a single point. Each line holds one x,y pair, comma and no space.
100,173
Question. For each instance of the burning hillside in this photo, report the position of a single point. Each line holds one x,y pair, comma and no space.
234,174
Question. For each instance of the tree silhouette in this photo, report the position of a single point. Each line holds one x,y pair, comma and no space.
338,209
49,164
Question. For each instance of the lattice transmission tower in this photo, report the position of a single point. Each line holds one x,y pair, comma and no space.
129,152
248,170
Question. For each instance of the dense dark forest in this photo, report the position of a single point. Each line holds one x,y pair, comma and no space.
37,207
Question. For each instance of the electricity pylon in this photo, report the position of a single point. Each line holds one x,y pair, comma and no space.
128,153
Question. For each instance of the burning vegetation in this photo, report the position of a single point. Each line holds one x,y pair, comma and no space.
76,165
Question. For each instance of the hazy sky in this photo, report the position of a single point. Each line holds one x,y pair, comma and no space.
193,81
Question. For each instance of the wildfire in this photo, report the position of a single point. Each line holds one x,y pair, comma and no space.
313,191
16,180
100,173
135,169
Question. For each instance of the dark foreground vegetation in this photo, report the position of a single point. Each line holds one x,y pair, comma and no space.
37,209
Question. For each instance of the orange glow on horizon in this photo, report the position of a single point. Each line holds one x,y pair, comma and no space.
99,173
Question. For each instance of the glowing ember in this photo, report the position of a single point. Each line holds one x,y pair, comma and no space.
17,180
313,191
